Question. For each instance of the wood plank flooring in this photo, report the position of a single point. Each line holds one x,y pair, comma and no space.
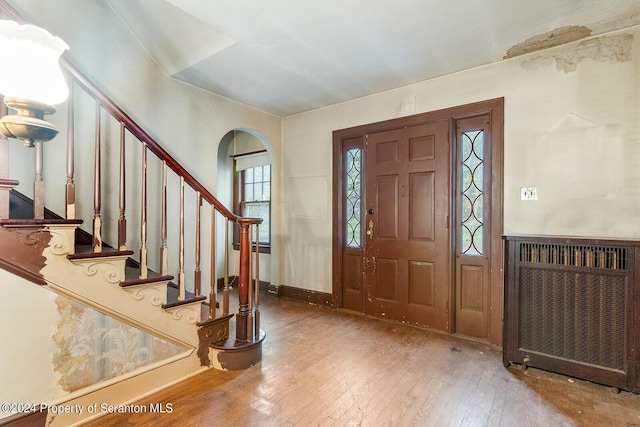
323,367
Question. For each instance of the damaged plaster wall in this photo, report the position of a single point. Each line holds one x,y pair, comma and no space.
93,347
548,40
564,35
610,49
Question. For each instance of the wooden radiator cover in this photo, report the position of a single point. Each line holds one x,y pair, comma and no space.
572,307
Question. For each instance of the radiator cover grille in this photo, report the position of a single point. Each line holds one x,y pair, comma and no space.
572,306
573,315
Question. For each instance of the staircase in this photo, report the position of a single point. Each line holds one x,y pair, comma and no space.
144,284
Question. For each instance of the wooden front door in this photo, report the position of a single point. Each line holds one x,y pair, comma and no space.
418,219
407,202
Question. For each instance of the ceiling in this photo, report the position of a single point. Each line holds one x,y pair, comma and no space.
290,56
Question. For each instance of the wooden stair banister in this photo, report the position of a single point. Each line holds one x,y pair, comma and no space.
248,327
117,113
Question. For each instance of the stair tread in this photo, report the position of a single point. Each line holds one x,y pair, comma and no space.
104,254
148,280
190,300
13,222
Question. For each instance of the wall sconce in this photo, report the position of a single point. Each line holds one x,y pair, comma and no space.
30,80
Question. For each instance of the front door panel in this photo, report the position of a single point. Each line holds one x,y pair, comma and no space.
407,251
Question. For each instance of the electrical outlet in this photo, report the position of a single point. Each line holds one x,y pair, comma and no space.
528,193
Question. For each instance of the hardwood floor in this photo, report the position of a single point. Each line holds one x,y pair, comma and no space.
323,367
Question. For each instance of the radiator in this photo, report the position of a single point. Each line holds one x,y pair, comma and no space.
571,306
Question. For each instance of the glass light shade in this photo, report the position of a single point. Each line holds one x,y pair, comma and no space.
29,64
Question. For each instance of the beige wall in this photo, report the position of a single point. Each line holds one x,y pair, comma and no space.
572,118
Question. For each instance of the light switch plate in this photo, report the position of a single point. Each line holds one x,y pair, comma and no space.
528,193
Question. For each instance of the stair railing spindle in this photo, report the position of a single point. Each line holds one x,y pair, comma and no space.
122,221
144,268
164,254
213,282
181,276
38,183
70,187
97,197
197,274
225,290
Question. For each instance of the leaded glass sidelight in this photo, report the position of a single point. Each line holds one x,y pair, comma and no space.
353,210
472,193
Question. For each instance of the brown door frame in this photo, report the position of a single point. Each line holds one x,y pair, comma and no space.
495,109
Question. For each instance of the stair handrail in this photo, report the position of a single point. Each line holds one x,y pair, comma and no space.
145,138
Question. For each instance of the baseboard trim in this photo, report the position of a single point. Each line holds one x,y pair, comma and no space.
299,294
288,292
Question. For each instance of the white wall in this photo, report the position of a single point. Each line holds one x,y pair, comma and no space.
571,130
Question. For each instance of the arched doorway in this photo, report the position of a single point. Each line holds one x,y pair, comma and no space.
247,181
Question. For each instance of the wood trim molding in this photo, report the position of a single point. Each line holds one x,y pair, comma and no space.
288,292
21,272
305,295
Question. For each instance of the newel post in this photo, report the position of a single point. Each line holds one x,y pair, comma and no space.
243,280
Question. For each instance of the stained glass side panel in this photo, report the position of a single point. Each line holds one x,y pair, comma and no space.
353,210
472,193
